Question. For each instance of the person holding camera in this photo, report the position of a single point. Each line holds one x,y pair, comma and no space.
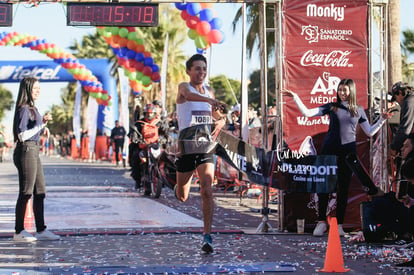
404,96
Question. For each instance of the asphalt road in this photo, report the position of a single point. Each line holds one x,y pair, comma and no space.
108,227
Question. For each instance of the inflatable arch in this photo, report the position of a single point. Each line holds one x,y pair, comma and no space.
92,74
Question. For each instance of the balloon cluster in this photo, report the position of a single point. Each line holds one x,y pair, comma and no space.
130,51
204,26
88,81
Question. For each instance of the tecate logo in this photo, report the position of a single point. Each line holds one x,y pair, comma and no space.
20,72
337,13
335,58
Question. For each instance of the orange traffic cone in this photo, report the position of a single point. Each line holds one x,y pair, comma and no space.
29,217
334,261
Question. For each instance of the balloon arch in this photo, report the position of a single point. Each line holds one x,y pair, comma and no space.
68,61
137,62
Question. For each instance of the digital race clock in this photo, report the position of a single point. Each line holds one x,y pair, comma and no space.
6,14
112,14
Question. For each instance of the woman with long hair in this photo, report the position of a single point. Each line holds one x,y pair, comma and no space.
344,115
28,126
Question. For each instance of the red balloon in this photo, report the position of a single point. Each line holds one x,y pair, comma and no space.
184,15
121,61
155,76
203,27
214,36
147,71
139,66
192,22
132,63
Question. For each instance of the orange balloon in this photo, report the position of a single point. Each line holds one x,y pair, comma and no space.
123,42
206,5
147,54
140,48
131,44
115,39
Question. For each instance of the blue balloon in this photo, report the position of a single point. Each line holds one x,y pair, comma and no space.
193,8
124,51
139,57
155,68
148,61
216,23
201,51
131,54
181,6
115,50
206,15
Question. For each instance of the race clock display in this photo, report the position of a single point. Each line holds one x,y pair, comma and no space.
6,14
112,14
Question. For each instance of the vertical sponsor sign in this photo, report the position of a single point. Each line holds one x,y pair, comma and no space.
323,42
92,122
76,115
124,91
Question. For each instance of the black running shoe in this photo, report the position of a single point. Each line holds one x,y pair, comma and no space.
409,263
207,244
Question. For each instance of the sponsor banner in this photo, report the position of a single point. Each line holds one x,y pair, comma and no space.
246,158
48,71
76,121
307,174
324,42
283,171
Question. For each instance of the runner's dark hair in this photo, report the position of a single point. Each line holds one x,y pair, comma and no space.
196,57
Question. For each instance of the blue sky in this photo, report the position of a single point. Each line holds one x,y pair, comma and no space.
48,21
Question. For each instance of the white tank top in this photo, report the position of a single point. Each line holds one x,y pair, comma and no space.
191,113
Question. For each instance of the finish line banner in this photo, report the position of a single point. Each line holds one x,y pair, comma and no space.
308,174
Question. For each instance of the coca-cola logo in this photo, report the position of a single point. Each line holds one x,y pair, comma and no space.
335,58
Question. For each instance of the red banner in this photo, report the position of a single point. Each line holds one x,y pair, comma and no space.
323,42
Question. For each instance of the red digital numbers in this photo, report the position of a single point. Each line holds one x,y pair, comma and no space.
104,14
6,14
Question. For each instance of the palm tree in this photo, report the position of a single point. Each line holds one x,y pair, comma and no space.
63,114
407,46
92,46
6,102
252,40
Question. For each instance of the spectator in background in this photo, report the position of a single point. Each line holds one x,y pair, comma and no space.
404,96
254,120
118,138
3,145
159,111
234,125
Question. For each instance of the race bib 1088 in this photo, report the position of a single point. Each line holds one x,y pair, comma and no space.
201,117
